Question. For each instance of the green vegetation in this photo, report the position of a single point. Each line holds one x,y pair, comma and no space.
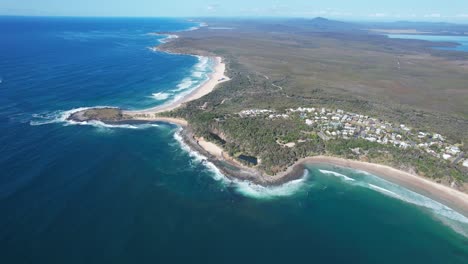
291,67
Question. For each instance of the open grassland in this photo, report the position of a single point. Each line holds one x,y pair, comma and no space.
283,65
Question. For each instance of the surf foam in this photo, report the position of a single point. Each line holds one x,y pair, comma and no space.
62,117
337,175
245,188
445,214
161,96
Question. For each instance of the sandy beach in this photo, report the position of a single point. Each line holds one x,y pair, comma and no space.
455,199
441,193
452,198
216,77
210,147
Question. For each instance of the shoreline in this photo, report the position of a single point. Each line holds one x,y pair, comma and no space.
216,77
452,198
231,168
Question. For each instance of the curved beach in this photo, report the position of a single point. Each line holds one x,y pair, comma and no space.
441,193
452,198
216,77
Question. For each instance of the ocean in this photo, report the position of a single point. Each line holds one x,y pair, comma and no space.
96,193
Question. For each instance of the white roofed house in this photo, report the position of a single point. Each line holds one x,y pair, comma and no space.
465,163
446,156
454,150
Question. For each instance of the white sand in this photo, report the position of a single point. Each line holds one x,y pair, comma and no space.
210,147
441,193
218,76
444,194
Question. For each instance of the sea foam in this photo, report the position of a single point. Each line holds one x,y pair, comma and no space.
62,117
245,188
337,175
445,214
160,96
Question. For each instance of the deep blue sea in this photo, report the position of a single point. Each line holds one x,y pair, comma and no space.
76,193
462,41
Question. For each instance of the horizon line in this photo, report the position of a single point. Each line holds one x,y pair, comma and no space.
366,19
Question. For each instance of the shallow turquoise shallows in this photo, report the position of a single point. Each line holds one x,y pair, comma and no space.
134,194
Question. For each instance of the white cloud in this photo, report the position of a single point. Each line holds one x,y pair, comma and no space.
462,15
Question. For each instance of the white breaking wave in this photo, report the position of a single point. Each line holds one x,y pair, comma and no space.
337,175
62,117
384,191
409,196
202,63
447,215
185,84
245,188
57,116
160,96
168,38
198,74
261,192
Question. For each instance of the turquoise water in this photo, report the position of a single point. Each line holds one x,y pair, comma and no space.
462,41
76,193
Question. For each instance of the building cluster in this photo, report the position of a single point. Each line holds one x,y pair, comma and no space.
333,124
271,114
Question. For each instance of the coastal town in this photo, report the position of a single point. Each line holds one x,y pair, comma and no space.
331,124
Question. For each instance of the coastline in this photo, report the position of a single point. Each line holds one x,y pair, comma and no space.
216,77
231,168
452,198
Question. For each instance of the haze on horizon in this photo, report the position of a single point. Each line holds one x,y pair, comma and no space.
416,10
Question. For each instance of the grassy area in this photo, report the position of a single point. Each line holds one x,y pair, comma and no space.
281,65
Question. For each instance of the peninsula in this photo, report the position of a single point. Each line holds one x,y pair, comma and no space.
261,118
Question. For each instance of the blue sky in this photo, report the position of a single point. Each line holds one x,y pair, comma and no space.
434,10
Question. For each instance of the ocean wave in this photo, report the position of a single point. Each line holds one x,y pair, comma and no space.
245,188
198,74
185,84
202,63
384,191
445,214
197,77
168,38
337,175
160,96
261,192
57,116
62,117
